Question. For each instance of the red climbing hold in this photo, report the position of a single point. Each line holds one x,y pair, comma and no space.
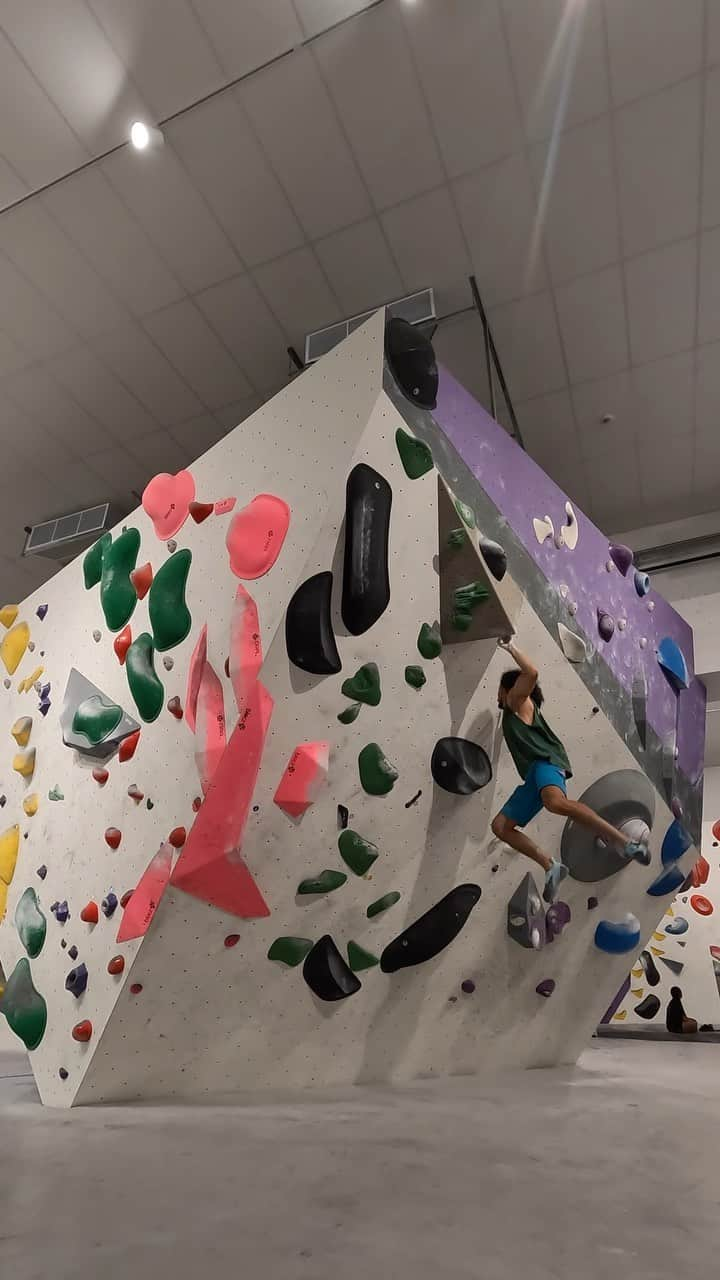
122,643
142,579
201,510
700,872
174,706
135,793
101,776
136,988
701,904
128,746
82,1031
90,913
113,837
116,965
232,939
177,837
126,898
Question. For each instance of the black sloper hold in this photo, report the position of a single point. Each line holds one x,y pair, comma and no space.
648,964
327,974
412,362
433,932
460,766
309,635
648,1007
366,578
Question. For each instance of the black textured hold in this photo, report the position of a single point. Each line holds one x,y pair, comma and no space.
412,362
495,558
433,932
648,964
366,578
326,972
309,635
648,1007
343,815
460,766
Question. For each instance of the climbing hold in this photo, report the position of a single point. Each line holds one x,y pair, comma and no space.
546,987
224,505
77,980
91,722
63,1074
231,940
41,612
168,662
642,583
364,686
41,872
415,677
649,968
30,804
382,904
670,657
197,802
256,535
108,906
592,903
675,843
415,456
177,837
90,913
24,763
93,561
494,556
467,986
460,766
95,721
651,606
126,898
429,641
309,635
30,923
141,579
433,932
326,882
701,904
97,636
639,705
675,966
643,642
171,546
305,775
648,1007
606,625
117,593
557,916
135,988
544,528
457,539
668,881
128,747
572,608
61,912
170,618
8,614
23,1006
620,797
145,685
343,817
526,915
116,965
13,646
174,706
357,853
166,499
570,531
677,926
366,582
21,730
621,556
465,601
622,623
327,974
135,793
699,874
55,793
617,937
7,683
572,645
413,800
9,848
113,837
121,644
290,951
466,514
350,714
82,1031
201,510
410,356
377,775
359,958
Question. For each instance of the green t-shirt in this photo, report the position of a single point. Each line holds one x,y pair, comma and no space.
528,743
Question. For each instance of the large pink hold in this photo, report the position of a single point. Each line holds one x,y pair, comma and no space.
245,647
167,502
146,896
256,535
195,671
306,772
210,726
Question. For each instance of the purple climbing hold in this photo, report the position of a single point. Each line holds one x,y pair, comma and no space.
546,987
556,917
468,986
73,952
77,980
42,871
109,904
63,944
45,692
3,801
41,611
606,625
621,556
62,911
592,904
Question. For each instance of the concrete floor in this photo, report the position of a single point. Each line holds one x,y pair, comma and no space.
606,1170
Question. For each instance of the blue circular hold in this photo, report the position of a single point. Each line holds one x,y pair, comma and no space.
678,925
618,937
642,583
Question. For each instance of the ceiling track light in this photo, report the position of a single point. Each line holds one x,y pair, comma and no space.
144,137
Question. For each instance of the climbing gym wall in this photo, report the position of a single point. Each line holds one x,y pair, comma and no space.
248,839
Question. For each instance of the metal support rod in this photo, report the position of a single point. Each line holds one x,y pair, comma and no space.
490,344
486,335
295,359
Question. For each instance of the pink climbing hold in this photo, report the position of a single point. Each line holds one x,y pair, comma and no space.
113,837
166,500
256,535
201,510
246,654
142,580
210,733
198,658
122,643
224,506
146,896
303,778
101,776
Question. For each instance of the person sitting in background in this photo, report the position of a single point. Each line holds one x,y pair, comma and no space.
676,1019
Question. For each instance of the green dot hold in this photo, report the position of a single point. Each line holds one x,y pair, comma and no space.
30,923
169,615
326,882
382,904
95,718
23,1006
377,775
357,853
415,456
142,677
429,641
360,959
118,596
364,686
290,951
350,714
415,677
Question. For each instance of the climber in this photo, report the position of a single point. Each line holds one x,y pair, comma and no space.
676,1019
542,762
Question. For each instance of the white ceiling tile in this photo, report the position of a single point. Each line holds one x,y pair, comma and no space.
245,36
144,370
661,296
462,58
712,51
558,52
652,43
600,397
94,217
184,335
711,152
708,390
12,187
92,385
547,424
709,302
706,473
236,180
297,291
312,158
498,212
528,345
198,435
120,471
156,188
12,355
28,316
76,485
459,347
667,469
427,242
615,488
170,73
34,138
374,84
577,198
238,312
658,149
43,399
31,441
360,267
158,452
591,311
318,15
37,246
664,399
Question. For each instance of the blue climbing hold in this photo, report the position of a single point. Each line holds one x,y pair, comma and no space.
618,937
77,981
675,844
678,925
62,911
642,583
672,661
669,881
109,905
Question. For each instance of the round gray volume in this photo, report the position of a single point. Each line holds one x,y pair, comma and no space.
617,797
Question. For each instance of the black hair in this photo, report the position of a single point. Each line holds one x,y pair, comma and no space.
676,993
508,680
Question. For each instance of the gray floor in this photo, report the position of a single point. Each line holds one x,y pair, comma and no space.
610,1169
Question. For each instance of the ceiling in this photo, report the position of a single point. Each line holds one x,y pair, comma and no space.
566,151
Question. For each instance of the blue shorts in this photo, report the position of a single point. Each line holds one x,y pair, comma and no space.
525,802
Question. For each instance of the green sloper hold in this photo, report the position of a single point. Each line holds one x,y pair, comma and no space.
457,539
430,641
415,676
414,455
169,615
466,514
93,562
351,714
30,923
382,904
377,775
290,951
23,1006
465,602
324,883
95,718
364,686
359,958
118,596
145,687
358,854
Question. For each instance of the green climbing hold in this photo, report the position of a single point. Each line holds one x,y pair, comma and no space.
364,686
415,676
358,854
466,514
169,615
23,1006
414,455
377,775
290,951
465,602
359,958
118,596
145,685
55,793
95,718
382,904
30,923
93,562
430,641
326,882
457,539
351,714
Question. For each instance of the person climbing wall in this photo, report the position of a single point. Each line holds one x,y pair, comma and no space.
544,766
676,1019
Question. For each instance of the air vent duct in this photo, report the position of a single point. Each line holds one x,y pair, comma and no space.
67,536
416,308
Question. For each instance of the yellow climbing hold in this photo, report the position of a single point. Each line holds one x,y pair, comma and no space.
9,846
21,730
3,900
621,1016
659,937
637,992
30,804
13,647
657,951
24,763
669,912
26,685
8,614
637,973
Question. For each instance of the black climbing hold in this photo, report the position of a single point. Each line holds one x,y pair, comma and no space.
648,1007
73,952
409,803
546,987
309,635
495,868
592,903
77,981
433,932
63,944
326,972
675,966
343,815
42,871
412,362
468,986
648,964
494,557
366,578
460,766
63,1073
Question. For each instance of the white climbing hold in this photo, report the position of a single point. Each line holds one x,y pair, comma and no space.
572,608
622,623
543,529
651,606
168,662
570,531
535,938
564,591
643,642
609,566
97,636
573,646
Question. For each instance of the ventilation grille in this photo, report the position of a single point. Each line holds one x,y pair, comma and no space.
416,308
65,537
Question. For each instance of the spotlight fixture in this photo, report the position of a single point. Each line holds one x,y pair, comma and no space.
143,137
